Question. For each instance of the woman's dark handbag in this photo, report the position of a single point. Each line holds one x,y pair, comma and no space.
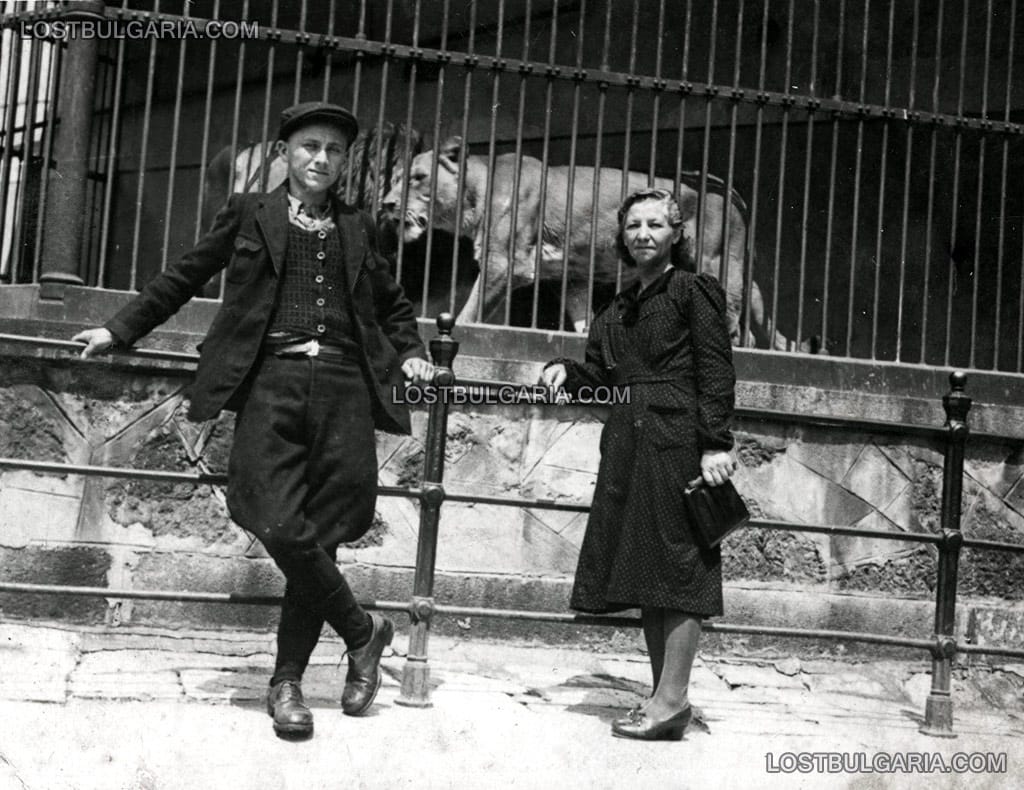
715,511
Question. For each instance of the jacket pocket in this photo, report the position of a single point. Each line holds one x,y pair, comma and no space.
246,260
668,426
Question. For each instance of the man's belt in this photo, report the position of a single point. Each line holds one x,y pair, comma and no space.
310,348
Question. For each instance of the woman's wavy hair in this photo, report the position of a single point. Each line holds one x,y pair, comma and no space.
675,219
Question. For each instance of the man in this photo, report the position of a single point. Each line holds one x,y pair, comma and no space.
312,334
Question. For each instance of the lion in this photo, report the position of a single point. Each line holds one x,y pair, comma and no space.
586,221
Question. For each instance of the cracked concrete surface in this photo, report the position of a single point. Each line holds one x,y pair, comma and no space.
144,709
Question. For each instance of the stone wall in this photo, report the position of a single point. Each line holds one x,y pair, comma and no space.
141,534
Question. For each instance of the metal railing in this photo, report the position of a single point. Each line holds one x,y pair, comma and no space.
857,154
422,608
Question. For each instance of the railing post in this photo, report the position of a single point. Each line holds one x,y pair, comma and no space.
416,672
938,712
65,203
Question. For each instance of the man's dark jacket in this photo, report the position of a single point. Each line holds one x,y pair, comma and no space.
249,237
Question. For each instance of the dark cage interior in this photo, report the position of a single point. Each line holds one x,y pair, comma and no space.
869,152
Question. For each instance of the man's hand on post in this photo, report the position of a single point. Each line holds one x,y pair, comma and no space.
97,341
418,371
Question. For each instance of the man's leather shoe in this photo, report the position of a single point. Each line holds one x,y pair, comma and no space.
290,713
363,679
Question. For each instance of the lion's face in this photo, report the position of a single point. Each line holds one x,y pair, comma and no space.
417,207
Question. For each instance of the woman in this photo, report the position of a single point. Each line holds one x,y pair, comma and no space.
666,338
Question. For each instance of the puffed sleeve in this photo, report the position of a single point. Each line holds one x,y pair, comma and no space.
716,377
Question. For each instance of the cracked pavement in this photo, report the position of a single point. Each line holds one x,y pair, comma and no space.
143,709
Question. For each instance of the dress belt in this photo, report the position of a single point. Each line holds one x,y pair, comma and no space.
310,348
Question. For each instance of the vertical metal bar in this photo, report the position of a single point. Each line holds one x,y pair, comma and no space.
627,137
851,290
602,98
929,211
906,182
268,93
1002,188
236,113
881,186
958,142
11,99
461,187
356,84
938,714
801,295
410,103
374,207
438,106
141,181
779,210
976,270
570,180
329,57
517,175
175,127
204,150
56,64
300,52
542,207
93,207
416,672
112,160
702,193
749,250
683,78
831,211
727,198
485,251
16,263
656,100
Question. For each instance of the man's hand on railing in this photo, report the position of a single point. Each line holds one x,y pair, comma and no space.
97,341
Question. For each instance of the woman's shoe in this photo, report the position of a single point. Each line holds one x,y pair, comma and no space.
631,716
642,728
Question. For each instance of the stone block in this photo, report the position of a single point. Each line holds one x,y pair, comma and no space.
34,516
1015,496
544,551
911,574
799,608
766,555
998,468
77,566
205,573
849,551
830,457
788,490
36,662
996,625
29,426
481,539
875,479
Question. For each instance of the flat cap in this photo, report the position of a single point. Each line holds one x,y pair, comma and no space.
299,115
